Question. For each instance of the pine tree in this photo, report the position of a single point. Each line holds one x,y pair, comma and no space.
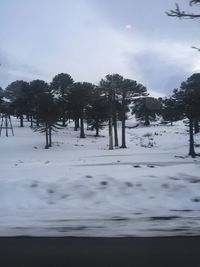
171,111
60,87
128,92
188,97
47,113
146,109
78,99
97,112
36,89
111,85
17,93
123,91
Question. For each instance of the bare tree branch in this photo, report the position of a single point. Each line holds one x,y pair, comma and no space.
197,48
182,14
193,2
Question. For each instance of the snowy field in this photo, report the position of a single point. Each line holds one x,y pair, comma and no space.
80,188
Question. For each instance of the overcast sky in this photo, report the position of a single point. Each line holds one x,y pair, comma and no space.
91,38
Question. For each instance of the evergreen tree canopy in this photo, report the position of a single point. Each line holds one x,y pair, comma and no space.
120,93
1,93
48,113
111,82
171,111
146,108
78,98
189,96
60,87
17,93
1,97
60,84
37,89
16,90
97,111
188,99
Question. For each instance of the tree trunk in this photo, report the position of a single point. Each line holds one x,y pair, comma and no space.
97,132
28,118
196,126
31,121
78,125
97,128
146,123
63,122
191,149
75,124
123,122
21,121
115,119
82,134
115,130
63,109
50,137
6,122
88,128
110,123
110,133
47,137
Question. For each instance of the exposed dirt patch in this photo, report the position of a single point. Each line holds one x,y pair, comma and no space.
174,178
163,218
129,184
34,184
89,176
196,199
136,166
194,181
118,218
165,186
186,210
150,166
51,191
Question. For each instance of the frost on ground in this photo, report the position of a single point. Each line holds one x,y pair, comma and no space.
80,188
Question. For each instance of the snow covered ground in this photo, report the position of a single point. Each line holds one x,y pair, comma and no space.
80,188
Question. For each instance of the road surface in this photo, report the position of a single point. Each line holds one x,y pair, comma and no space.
99,252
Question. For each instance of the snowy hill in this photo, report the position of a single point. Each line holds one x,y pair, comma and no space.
80,188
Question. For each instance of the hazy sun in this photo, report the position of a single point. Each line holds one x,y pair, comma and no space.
128,26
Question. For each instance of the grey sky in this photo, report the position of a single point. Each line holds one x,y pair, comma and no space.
89,39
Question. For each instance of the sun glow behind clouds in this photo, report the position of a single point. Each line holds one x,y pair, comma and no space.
128,26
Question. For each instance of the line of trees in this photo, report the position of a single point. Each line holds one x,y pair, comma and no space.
49,107
185,103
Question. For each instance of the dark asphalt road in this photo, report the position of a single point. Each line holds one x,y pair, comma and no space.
100,252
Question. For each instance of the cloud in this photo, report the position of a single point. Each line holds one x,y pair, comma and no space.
89,39
154,72
10,72
159,53
162,64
